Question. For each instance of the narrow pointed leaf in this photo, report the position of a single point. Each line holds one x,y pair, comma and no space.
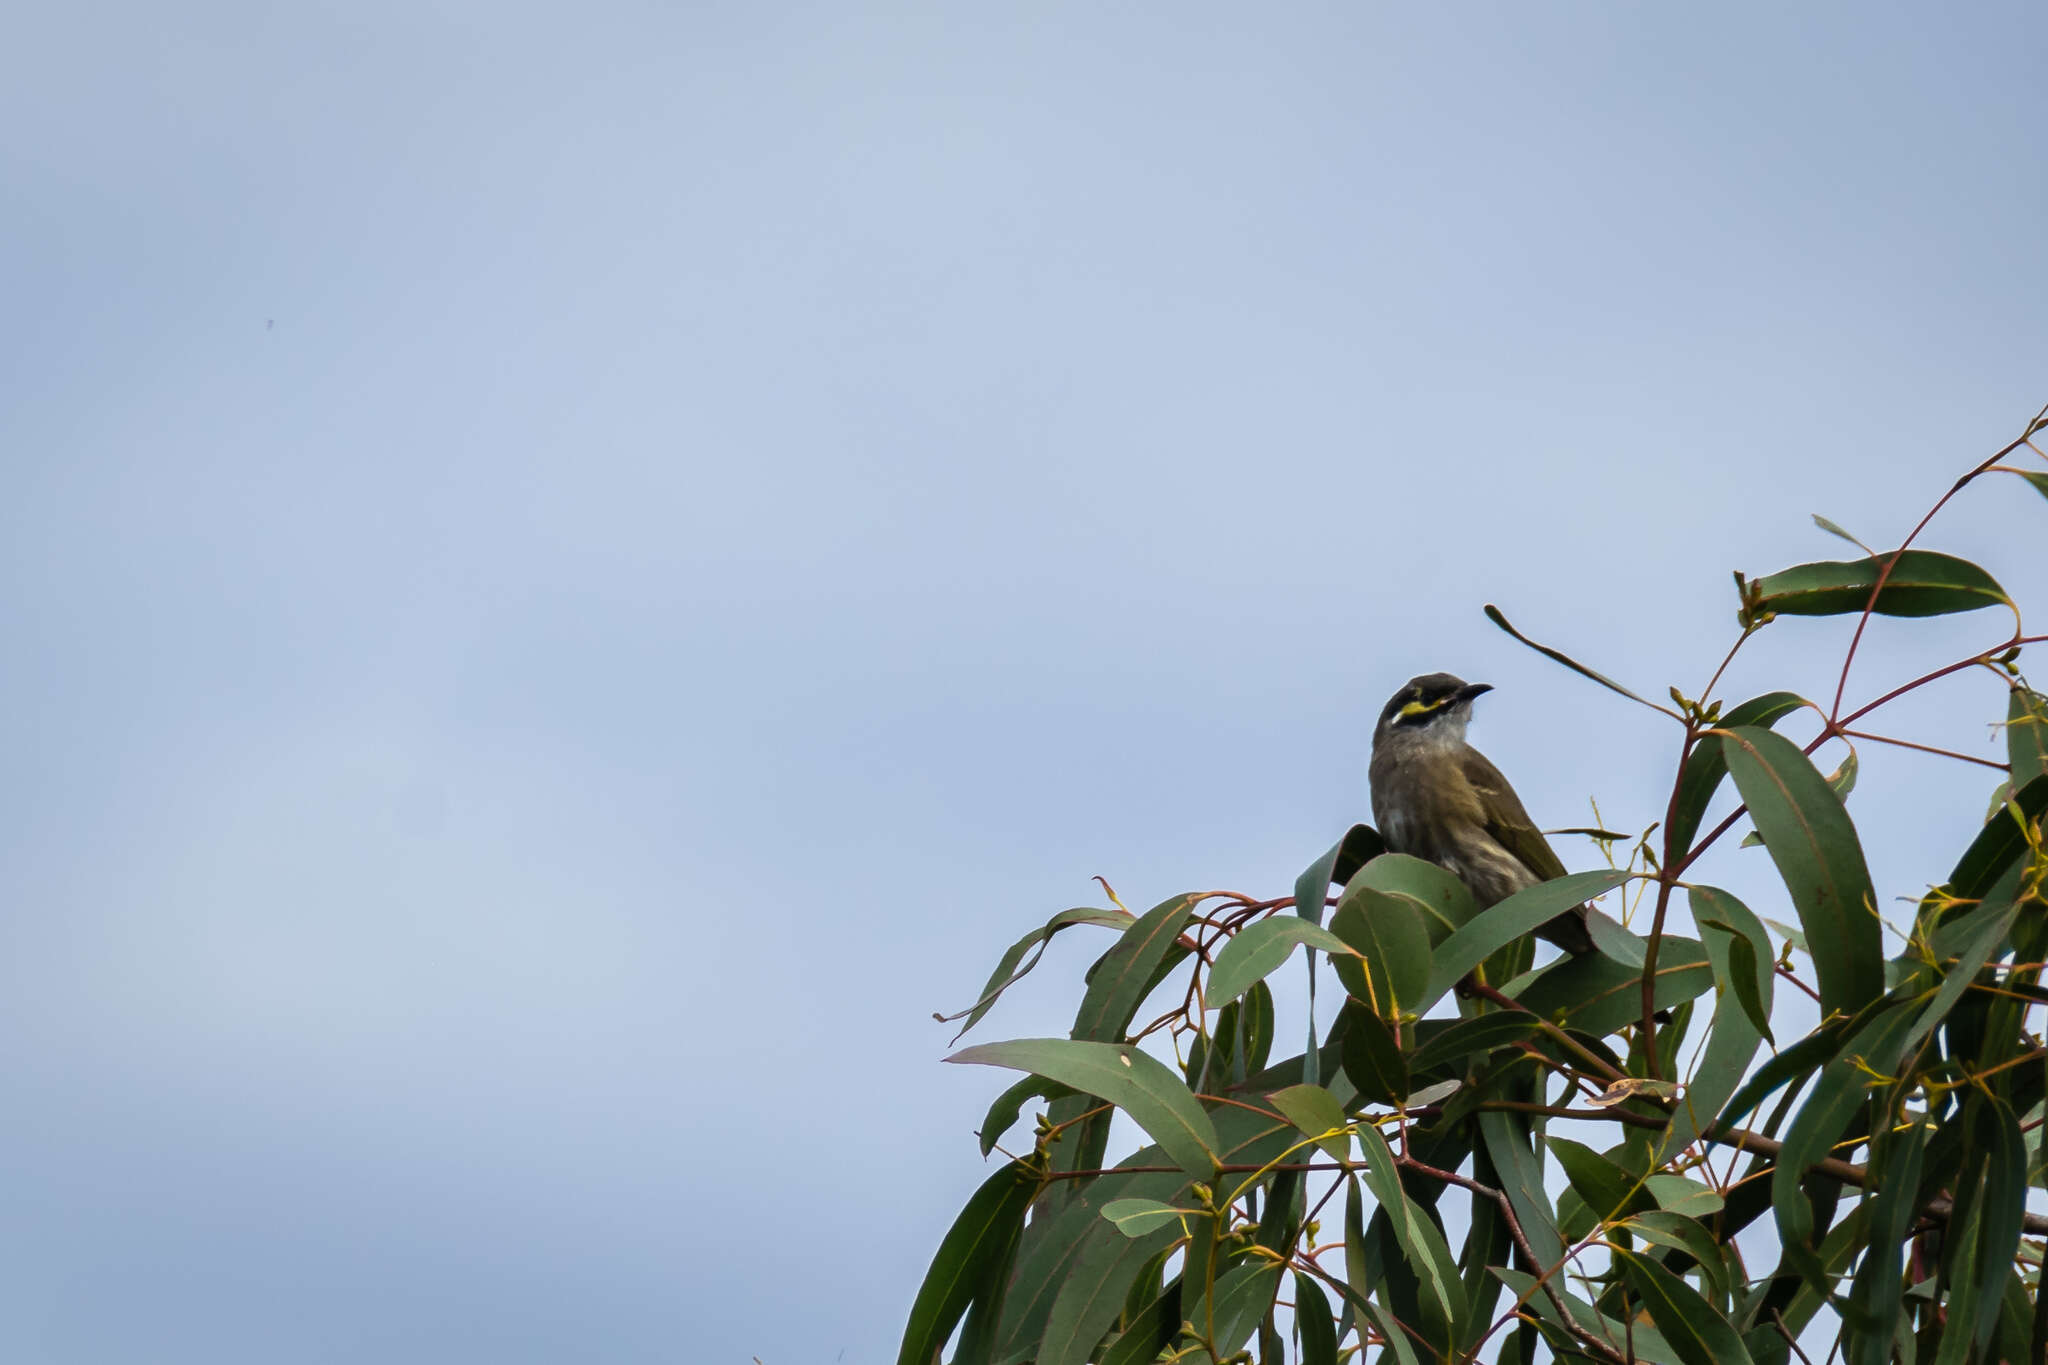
1814,844
2001,842
1257,950
1698,1333
1133,1081
1727,926
1679,1195
1495,615
1513,1154
1707,764
1681,1233
1921,583
978,1243
1474,1037
1008,973
1089,1302
1127,972
1312,1318
1244,1295
1597,995
1834,530
1512,919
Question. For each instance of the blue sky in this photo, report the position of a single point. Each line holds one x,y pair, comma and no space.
571,577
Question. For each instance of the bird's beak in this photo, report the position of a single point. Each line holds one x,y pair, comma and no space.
1471,690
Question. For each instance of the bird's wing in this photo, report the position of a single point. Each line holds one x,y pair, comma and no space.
1505,819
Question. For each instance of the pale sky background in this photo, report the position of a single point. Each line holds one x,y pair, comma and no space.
571,574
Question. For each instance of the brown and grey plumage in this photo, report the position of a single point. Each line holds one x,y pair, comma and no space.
1436,797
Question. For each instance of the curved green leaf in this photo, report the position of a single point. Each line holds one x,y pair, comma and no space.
1317,1114
1706,765
1372,1057
1438,895
1359,846
1597,995
1682,1196
2000,843
1090,1300
1422,1243
1312,1317
1514,918
1126,974
1133,1081
1257,950
1921,583
1495,615
1008,973
1813,842
1243,1297
978,1243
1836,1098
1477,1036
1726,925
1681,1233
1606,1188
1004,1111
1392,945
1699,1334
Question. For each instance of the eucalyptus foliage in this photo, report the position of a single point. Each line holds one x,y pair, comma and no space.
1644,1154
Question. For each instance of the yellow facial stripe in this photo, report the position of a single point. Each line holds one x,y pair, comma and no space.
1421,708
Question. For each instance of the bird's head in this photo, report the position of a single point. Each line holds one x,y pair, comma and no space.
1436,706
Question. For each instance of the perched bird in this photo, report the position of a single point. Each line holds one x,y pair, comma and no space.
1436,797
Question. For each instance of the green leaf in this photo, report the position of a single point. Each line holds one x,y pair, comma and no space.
1607,1189
1392,942
1874,1299
1359,846
1514,918
1730,930
1684,1234
1422,1243
1836,1098
1477,1036
1007,1105
2026,735
1494,615
1126,974
1687,1198
1834,530
1699,1334
1814,844
2000,843
1008,973
1508,1145
1317,1114
1750,953
1092,1298
1312,1316
1993,924
1597,995
1133,1081
1707,765
1150,1331
1136,1217
1243,1297
1372,1057
979,1241
1921,583
1257,950
1437,895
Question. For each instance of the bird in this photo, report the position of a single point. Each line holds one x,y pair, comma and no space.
1437,798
